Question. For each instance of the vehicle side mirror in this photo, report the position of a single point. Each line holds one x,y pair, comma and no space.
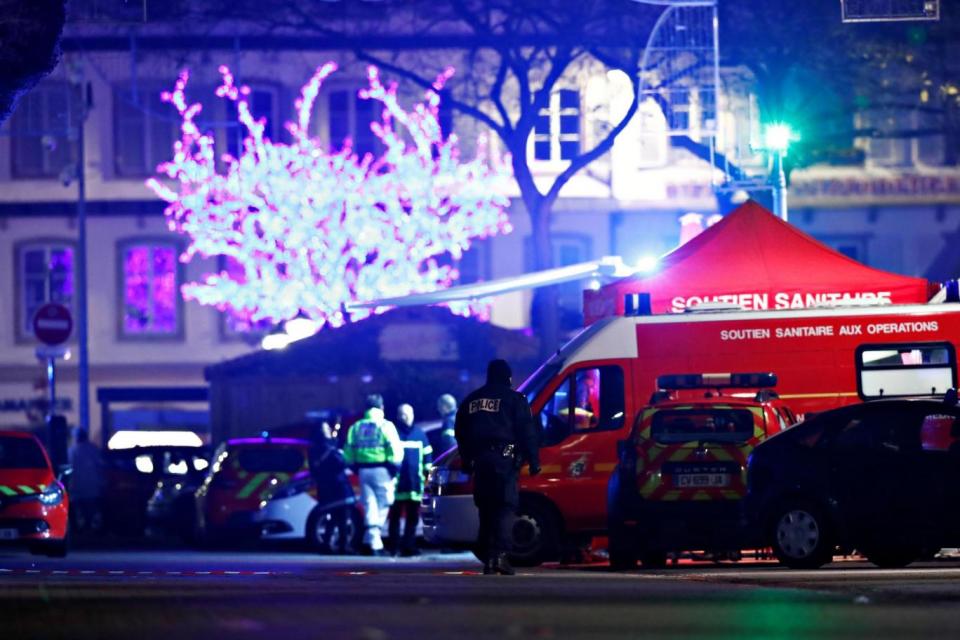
64,471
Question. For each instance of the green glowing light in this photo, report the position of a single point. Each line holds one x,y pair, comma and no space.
777,137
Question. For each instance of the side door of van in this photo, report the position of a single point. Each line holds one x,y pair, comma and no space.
582,418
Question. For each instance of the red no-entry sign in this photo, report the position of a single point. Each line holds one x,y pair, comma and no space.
52,323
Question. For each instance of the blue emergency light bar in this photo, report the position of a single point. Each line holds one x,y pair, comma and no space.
717,380
637,304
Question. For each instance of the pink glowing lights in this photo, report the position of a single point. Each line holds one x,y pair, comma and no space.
308,231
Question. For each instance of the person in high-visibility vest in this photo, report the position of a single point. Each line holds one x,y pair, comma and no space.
374,451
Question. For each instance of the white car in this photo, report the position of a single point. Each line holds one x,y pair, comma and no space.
292,512
449,515
451,519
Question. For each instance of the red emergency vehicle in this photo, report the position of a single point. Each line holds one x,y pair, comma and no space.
588,395
34,505
683,472
244,473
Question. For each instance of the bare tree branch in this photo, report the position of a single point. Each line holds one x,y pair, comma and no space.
470,110
582,160
496,96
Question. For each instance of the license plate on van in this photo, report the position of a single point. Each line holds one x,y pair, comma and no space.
696,480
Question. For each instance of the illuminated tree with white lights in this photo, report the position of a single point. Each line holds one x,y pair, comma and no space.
303,230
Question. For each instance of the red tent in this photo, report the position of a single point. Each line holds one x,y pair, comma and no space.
753,259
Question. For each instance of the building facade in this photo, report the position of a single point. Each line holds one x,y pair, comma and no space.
898,210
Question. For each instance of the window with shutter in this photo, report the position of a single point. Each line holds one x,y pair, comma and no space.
557,129
41,145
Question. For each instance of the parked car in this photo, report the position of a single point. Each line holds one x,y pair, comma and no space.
243,473
131,478
681,475
170,509
34,505
882,478
293,512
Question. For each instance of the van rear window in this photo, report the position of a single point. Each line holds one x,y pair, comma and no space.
905,369
671,426
21,453
285,460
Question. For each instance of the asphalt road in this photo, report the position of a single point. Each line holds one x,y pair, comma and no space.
181,594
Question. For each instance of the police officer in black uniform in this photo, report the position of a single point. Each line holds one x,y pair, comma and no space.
496,435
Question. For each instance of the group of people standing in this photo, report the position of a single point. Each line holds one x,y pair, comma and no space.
495,433
391,460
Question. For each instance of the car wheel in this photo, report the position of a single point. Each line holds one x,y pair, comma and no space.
653,559
622,547
535,535
800,536
893,557
57,548
333,530
51,548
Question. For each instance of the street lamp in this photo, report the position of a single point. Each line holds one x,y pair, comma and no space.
776,140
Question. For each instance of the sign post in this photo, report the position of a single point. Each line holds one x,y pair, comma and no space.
52,324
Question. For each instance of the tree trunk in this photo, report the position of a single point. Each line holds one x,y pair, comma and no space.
545,316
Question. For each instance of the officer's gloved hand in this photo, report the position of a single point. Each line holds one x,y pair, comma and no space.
534,469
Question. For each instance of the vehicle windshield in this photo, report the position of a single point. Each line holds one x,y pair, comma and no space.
672,426
538,380
278,460
21,453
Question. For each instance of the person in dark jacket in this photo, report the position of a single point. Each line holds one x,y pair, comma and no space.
496,435
334,493
417,456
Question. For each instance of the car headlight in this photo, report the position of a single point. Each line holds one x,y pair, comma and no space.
51,495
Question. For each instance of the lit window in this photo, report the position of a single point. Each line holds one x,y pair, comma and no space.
40,131
150,289
652,142
896,141
556,132
45,274
350,117
145,128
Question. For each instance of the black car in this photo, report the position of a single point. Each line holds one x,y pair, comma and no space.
881,478
133,476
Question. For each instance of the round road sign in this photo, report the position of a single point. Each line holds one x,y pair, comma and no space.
52,323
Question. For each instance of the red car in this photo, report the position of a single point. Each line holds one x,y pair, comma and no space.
243,474
33,503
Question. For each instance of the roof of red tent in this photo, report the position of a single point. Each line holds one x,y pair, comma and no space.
751,251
